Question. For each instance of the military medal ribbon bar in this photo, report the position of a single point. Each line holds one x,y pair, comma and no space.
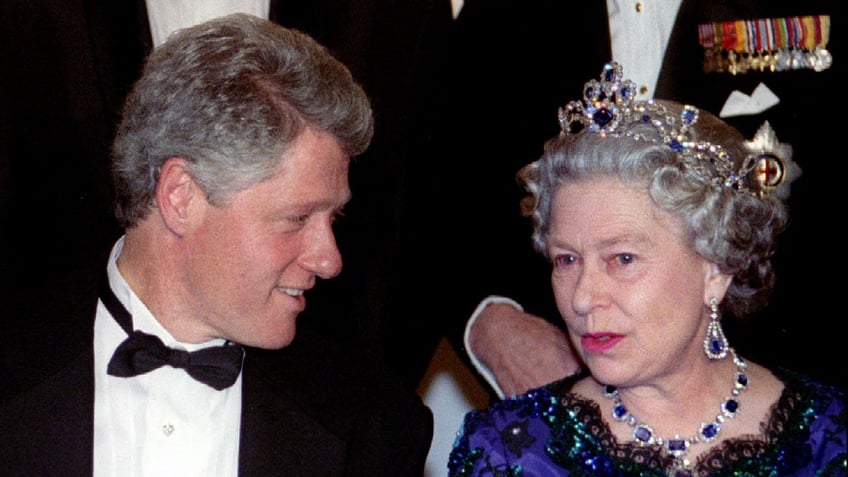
771,44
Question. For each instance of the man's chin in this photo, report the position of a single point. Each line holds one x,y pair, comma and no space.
279,340
275,337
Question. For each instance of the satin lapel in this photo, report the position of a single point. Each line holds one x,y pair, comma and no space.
682,63
53,421
70,394
274,10
278,436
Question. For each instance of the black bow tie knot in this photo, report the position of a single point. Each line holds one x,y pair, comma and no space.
217,366
140,353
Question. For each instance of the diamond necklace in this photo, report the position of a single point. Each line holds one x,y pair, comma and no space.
678,446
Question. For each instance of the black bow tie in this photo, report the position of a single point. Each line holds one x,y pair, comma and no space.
217,366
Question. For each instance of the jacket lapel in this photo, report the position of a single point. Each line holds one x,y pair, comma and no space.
278,435
53,420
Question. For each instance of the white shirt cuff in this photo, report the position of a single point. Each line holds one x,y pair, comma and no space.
478,365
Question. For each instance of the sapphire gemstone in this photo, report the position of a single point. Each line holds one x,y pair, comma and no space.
676,445
643,434
619,412
609,73
602,117
716,346
675,145
731,405
709,431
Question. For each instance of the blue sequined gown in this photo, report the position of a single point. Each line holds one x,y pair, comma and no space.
550,432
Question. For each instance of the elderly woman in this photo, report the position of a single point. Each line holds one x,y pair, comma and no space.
657,218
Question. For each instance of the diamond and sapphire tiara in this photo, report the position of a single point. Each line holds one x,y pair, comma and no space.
609,106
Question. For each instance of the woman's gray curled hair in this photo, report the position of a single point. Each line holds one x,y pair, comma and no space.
735,230
230,96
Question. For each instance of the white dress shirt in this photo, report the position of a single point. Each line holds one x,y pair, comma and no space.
166,16
639,31
163,423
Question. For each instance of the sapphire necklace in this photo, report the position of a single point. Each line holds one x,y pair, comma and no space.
678,446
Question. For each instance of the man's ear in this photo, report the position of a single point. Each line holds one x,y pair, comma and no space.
175,192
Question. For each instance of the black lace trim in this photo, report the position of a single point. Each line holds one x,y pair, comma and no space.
728,453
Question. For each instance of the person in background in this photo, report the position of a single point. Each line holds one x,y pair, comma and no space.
176,355
660,221
514,64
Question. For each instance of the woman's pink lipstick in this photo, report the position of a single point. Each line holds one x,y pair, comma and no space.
599,342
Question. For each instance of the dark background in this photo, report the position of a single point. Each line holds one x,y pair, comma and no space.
434,224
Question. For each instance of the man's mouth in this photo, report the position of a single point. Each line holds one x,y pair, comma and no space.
292,291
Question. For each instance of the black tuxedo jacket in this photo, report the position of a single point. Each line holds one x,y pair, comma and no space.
515,62
67,67
312,408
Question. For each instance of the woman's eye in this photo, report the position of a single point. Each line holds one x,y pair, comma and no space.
625,258
564,260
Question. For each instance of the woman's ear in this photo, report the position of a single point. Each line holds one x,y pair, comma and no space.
175,192
716,282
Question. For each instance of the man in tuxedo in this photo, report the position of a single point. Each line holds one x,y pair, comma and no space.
68,67
230,166
516,63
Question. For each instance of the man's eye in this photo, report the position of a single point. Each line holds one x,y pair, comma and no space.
300,219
